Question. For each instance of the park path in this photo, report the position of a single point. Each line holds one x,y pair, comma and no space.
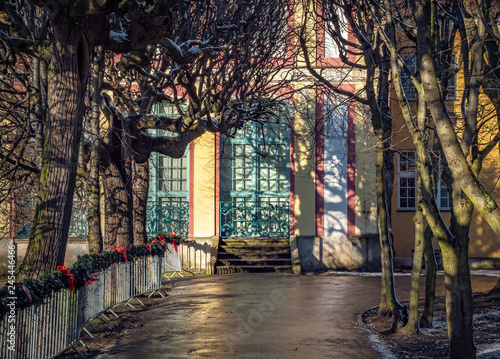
256,316
262,316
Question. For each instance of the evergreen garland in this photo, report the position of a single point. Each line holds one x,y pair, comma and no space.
48,283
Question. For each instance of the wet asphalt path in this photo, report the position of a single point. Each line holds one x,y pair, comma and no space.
256,316
259,316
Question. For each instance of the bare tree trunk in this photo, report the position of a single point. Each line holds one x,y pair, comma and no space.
455,249
412,325
140,188
93,196
458,164
117,219
430,280
459,304
49,234
389,303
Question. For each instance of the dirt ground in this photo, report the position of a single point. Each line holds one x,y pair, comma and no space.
433,343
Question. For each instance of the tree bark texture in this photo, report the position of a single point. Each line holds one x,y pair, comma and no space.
454,248
430,280
93,186
413,325
117,200
459,303
140,188
49,234
460,169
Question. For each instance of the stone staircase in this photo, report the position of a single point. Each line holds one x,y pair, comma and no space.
253,256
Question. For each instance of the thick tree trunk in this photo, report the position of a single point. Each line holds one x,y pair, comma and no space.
430,280
93,194
49,233
459,303
116,199
140,188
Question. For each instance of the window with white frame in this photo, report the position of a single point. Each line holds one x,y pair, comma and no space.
443,196
407,180
407,183
331,48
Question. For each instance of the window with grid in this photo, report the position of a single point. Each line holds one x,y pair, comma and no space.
335,116
409,90
168,200
255,181
407,180
443,196
442,193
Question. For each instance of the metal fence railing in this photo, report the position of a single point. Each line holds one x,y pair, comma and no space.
48,329
254,219
167,217
172,262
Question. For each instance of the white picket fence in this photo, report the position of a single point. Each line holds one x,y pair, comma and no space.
48,329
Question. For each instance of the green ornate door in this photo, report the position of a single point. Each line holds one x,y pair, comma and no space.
168,202
255,182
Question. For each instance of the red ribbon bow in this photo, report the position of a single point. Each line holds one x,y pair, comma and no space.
27,292
122,251
173,240
148,247
92,279
160,239
66,273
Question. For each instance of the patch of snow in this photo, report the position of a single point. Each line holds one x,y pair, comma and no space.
118,36
380,346
439,324
488,351
366,274
488,315
488,273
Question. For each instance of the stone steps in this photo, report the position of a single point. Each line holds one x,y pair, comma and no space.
253,255
253,269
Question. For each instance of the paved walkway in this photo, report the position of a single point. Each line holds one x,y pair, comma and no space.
260,316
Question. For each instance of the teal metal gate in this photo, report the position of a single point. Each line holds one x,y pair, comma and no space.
255,182
247,219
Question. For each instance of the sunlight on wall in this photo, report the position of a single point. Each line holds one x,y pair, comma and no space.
204,186
305,189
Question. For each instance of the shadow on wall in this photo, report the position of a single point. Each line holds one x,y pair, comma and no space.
195,254
360,253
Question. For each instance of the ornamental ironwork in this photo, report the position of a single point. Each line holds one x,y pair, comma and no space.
251,219
24,218
171,216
